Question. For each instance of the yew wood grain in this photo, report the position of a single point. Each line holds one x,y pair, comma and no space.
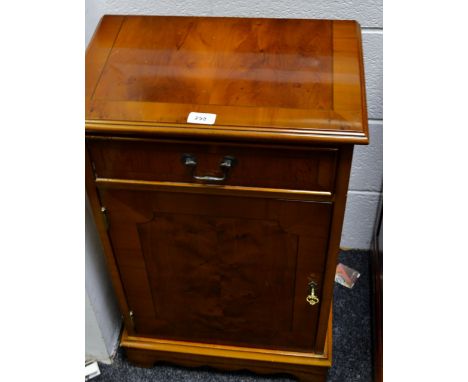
307,367
218,274
342,182
256,166
218,268
258,75
215,61
266,134
98,52
112,266
143,358
212,189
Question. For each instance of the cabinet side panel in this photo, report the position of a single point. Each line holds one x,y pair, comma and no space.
95,203
342,180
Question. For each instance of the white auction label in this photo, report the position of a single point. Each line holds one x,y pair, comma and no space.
201,118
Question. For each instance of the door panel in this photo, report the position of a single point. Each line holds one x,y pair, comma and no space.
219,269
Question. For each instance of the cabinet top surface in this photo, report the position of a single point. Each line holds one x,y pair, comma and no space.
265,78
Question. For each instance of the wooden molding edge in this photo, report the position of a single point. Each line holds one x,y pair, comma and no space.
108,138
324,196
225,132
233,352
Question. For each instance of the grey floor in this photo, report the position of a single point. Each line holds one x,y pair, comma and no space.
352,361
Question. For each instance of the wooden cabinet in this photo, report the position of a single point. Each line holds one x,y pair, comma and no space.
222,238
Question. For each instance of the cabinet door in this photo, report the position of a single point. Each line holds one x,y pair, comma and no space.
219,269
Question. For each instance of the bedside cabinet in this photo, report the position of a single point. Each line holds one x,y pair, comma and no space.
218,156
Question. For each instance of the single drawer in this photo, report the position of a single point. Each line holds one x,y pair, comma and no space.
253,166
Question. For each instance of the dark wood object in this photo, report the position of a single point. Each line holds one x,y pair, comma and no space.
222,239
377,295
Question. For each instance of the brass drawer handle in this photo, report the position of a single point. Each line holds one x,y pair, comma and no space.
226,164
311,298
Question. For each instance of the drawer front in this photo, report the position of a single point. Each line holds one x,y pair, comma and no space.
252,166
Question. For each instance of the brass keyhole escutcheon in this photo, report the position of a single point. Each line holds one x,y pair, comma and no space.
311,298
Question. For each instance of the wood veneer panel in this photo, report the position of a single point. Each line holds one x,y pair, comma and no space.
221,61
203,255
98,52
308,367
306,169
95,202
349,98
336,226
255,74
208,264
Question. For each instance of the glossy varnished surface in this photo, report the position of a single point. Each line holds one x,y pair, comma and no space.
264,77
307,367
236,63
217,269
256,166
217,274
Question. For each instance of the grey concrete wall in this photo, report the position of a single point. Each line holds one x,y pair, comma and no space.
102,317
95,344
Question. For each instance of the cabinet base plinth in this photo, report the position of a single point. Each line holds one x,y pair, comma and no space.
150,358
307,367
